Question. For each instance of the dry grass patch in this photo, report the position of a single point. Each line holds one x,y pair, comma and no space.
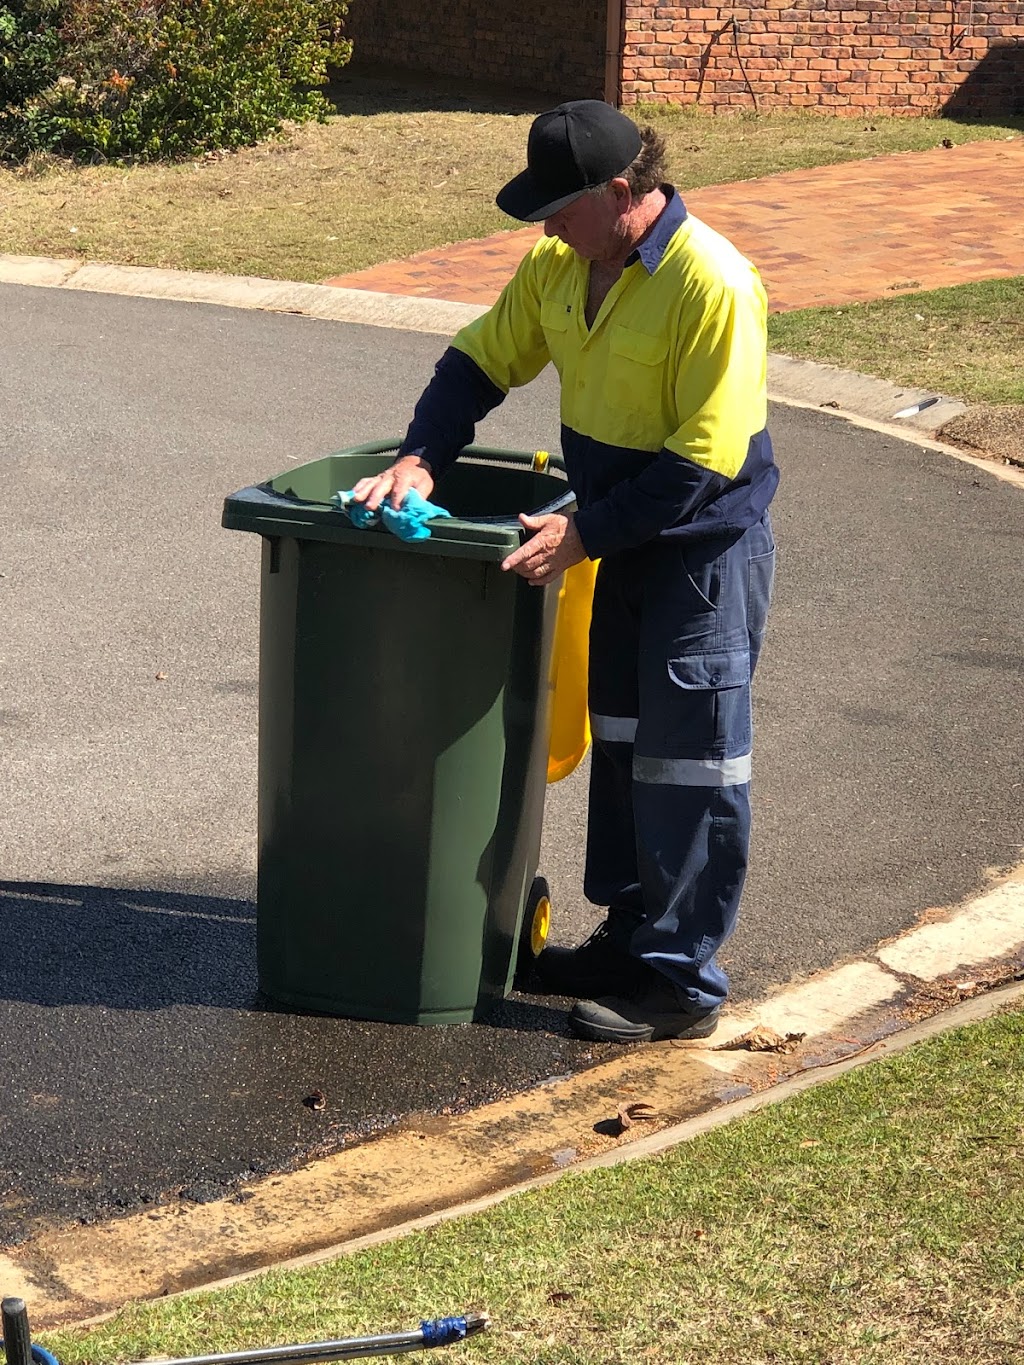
319,201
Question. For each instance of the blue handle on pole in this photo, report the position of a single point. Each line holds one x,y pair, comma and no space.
40,1355
442,1331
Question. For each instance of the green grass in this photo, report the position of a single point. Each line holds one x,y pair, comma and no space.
387,177
966,341
874,1220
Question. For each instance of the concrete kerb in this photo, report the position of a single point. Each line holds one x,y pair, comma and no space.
243,291
799,383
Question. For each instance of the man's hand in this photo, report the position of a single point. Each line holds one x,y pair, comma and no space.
554,547
409,471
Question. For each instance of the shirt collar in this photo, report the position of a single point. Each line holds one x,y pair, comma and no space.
655,244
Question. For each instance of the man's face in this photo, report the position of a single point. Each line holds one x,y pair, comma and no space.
592,225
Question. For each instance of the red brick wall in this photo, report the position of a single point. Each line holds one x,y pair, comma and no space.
534,44
839,56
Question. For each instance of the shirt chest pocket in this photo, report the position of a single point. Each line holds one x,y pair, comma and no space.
555,316
636,375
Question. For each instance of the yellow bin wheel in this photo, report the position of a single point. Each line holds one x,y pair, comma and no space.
536,925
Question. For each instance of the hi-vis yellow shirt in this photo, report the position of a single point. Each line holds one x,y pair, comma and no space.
663,399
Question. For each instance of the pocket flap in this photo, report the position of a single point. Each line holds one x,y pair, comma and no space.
647,349
555,315
729,668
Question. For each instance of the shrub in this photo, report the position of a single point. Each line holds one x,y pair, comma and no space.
163,79
29,49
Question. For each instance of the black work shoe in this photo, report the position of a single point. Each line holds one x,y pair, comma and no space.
599,966
658,1010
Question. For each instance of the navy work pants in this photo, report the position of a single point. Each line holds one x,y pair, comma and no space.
674,640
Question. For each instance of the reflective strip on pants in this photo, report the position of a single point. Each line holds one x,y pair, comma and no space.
692,772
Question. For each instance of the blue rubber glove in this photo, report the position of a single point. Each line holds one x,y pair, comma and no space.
408,522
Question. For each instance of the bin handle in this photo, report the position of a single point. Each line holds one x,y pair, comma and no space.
539,460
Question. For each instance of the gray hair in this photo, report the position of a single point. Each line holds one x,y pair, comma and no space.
647,170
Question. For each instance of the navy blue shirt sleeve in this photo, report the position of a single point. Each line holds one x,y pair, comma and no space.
458,396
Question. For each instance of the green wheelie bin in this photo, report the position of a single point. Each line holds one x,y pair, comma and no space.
403,730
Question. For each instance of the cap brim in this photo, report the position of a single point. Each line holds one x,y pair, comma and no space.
525,198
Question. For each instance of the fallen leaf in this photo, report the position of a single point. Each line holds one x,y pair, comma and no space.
317,1100
762,1040
635,1113
810,1142
160,677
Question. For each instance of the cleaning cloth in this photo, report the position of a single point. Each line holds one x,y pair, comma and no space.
408,522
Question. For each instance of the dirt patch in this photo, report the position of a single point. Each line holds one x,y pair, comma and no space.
995,429
946,991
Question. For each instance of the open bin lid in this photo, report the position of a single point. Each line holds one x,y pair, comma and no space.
296,503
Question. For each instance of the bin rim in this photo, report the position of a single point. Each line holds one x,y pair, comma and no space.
475,453
273,513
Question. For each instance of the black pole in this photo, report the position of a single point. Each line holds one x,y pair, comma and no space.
17,1337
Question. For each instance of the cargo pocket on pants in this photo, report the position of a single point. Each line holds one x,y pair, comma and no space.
714,715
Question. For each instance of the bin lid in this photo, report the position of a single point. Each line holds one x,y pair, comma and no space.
274,509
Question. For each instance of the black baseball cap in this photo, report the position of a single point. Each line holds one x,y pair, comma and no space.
570,150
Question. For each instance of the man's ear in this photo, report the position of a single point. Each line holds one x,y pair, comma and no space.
623,194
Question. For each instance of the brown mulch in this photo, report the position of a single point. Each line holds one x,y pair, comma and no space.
995,429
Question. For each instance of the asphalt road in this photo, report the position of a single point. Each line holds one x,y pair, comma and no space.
135,1063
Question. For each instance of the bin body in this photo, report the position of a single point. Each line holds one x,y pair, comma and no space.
403,745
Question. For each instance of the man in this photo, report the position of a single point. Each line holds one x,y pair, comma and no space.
657,328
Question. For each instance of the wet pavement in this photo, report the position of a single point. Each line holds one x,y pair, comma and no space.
136,1063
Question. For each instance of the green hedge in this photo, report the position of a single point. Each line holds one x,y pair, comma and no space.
170,78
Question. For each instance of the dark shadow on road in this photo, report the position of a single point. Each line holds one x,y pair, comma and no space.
126,949
145,950
525,1015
